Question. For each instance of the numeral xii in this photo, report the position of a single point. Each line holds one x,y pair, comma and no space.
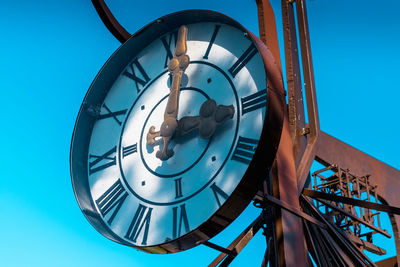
210,44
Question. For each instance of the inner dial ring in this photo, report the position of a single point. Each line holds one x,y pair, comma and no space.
191,148
197,162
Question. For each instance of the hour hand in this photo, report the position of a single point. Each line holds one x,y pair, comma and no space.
187,124
210,116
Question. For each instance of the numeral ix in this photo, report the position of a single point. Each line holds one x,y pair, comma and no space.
107,158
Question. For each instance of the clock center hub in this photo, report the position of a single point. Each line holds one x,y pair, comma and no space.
188,149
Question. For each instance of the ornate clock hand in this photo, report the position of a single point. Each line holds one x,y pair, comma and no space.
210,116
176,67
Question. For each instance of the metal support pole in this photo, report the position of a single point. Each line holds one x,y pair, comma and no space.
290,238
293,77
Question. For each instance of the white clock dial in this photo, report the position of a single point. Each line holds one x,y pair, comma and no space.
125,190
170,198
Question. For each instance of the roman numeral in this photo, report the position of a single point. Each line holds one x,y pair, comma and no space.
126,151
178,188
214,35
111,114
130,73
218,192
113,198
106,157
244,150
141,221
254,101
177,224
243,60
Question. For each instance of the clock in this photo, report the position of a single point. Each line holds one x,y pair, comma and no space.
177,132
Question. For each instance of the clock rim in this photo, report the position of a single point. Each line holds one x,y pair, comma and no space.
257,171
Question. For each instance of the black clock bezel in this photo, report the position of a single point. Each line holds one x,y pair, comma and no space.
257,171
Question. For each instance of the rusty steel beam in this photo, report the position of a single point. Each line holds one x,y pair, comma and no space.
355,218
268,199
390,262
293,78
267,29
311,96
351,201
289,227
351,249
304,137
312,245
365,244
268,258
219,248
239,243
308,70
110,21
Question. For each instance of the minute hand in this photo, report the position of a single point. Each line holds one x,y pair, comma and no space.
176,67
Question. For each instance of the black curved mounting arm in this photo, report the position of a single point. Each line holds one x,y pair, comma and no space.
110,21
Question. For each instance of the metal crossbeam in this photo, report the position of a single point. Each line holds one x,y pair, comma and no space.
238,244
355,218
268,199
351,201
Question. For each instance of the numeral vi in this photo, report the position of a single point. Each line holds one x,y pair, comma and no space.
140,222
178,223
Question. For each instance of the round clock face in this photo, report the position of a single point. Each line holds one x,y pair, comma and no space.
141,200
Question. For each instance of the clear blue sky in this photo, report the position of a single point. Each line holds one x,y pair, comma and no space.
50,51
